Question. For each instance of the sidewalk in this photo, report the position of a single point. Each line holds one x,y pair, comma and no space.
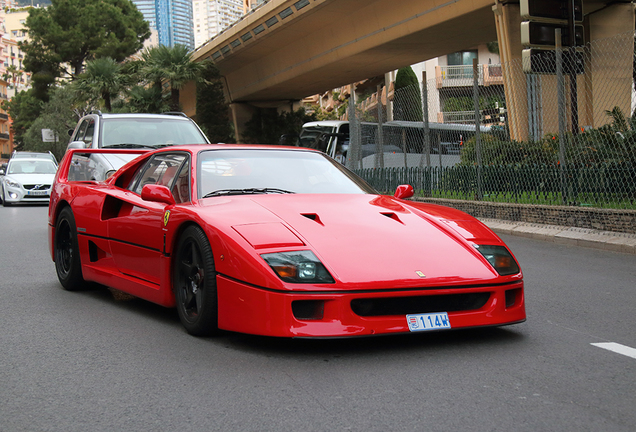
608,240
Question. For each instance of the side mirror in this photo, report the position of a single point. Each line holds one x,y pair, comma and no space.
76,145
157,193
404,191
2,172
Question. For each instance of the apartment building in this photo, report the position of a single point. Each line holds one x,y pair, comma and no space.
211,17
449,84
172,19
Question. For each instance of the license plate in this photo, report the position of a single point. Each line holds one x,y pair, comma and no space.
37,192
430,321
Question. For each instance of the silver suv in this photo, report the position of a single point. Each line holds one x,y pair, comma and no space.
130,131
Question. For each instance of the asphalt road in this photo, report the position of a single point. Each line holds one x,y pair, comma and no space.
88,362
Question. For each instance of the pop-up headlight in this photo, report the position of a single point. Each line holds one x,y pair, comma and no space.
298,267
500,258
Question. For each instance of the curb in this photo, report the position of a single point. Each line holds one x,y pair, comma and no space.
606,240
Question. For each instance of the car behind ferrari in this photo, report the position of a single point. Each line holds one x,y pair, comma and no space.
277,241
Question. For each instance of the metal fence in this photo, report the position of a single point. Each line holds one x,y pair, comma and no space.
563,133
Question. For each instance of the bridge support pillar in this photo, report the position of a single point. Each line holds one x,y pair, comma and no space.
608,70
241,114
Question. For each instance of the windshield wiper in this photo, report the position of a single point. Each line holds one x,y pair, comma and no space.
247,191
129,145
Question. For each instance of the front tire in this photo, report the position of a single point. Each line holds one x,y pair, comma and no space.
4,201
195,283
66,249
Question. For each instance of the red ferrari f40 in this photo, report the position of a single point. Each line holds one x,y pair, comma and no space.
277,241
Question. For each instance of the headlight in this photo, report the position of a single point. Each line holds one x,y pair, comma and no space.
11,183
298,267
500,258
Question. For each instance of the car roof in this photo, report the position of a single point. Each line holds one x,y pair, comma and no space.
23,155
176,116
325,123
197,148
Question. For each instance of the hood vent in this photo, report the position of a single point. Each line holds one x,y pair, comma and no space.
314,217
393,216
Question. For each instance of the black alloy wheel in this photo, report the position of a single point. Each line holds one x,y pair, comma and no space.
66,251
195,283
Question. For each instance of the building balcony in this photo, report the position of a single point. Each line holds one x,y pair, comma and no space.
4,116
462,75
4,136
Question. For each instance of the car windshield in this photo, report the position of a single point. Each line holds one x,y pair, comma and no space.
31,166
149,132
309,134
263,171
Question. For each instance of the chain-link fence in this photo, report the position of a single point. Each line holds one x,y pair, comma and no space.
554,128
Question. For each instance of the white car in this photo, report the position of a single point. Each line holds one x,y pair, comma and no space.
27,180
128,131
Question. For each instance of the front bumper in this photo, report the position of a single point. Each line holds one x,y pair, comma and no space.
248,309
14,195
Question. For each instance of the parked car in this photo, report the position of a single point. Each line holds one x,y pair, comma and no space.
27,179
117,131
278,241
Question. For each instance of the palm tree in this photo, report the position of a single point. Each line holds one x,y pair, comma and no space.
12,74
145,100
103,79
173,65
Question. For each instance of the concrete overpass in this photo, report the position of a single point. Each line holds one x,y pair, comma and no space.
289,49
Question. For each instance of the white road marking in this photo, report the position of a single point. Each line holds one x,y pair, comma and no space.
617,348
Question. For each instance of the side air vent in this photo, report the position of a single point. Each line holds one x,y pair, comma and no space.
314,217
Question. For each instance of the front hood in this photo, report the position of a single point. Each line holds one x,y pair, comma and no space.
31,179
364,238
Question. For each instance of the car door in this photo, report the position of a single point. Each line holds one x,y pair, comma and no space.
136,233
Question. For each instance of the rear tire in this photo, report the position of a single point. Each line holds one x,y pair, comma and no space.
66,250
194,283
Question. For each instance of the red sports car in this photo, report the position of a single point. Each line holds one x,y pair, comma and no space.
277,241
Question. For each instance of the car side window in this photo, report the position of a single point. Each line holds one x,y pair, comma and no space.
79,136
90,131
181,187
161,169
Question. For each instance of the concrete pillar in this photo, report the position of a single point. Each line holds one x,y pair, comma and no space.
608,70
241,113
508,24
608,80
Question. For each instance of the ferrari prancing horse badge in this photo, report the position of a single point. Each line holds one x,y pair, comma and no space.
166,216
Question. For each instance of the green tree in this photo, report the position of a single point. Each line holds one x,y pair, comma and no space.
74,31
267,125
407,99
102,79
212,110
174,65
24,108
57,116
142,99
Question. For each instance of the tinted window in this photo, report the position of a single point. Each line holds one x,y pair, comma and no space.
153,132
161,169
293,171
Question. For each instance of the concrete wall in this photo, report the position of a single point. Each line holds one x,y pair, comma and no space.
623,221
